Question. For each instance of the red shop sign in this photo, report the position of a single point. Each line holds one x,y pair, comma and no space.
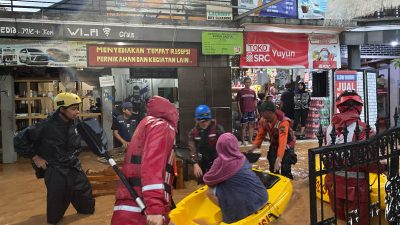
265,49
345,80
131,56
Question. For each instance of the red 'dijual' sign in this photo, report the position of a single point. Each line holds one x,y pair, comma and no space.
133,56
263,49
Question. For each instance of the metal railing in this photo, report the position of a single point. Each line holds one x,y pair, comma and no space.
348,166
185,10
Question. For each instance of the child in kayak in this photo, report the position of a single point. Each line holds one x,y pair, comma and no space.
233,185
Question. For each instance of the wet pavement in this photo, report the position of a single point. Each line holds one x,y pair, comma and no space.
23,197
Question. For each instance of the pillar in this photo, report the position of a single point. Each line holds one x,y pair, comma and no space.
107,103
7,118
354,57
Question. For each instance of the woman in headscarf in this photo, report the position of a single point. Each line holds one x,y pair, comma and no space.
233,185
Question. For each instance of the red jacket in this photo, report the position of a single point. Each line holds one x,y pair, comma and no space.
149,152
356,189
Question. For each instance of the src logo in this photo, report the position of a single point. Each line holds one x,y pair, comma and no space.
258,57
249,57
257,53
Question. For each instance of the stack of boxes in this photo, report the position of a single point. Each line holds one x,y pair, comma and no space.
318,114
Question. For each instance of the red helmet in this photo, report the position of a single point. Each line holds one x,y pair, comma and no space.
349,96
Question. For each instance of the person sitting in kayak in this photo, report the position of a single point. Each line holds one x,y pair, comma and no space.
202,140
233,185
350,105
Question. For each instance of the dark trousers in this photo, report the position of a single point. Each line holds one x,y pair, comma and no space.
65,189
300,117
286,166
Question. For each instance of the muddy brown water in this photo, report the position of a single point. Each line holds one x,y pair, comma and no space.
23,197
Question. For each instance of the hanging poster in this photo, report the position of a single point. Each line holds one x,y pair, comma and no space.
44,53
312,9
274,50
283,9
345,80
324,51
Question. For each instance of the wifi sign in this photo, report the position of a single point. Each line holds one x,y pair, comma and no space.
107,31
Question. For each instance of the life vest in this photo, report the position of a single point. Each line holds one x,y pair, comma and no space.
169,174
129,127
212,135
291,139
133,165
340,137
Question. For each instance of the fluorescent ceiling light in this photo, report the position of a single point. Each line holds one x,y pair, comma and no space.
292,29
394,43
377,28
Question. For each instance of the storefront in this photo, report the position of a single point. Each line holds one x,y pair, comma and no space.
144,62
273,59
180,74
373,49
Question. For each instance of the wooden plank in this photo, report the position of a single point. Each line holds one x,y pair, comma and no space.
35,80
103,178
89,114
32,98
179,179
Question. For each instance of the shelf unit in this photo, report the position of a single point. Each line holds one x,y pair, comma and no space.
34,100
319,114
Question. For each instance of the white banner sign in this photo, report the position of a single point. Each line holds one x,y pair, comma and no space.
106,81
219,13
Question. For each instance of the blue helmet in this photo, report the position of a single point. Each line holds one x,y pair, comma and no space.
202,112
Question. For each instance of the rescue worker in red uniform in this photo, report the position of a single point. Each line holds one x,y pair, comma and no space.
281,155
148,167
350,105
202,141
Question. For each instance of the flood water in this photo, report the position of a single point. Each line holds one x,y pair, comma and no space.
23,197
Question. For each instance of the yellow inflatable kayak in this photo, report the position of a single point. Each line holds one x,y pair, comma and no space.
197,209
373,185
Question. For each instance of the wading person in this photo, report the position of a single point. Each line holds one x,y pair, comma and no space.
54,146
350,105
202,141
148,167
247,105
124,125
287,101
281,155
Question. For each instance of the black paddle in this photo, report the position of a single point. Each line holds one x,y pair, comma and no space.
252,157
96,139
